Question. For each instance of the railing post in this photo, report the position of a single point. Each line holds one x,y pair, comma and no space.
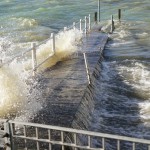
98,10
74,25
119,14
1,62
103,143
89,141
85,25
80,25
53,42
112,24
95,17
75,140
7,136
49,137
34,62
12,132
89,22
65,28
25,134
62,140
87,69
118,144
133,146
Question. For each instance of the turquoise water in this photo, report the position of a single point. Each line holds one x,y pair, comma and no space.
122,93
127,56
35,20
23,21
26,21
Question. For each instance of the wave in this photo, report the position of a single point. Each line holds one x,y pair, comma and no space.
18,97
25,22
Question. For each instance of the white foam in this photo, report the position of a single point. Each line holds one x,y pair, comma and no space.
137,73
15,92
121,43
12,90
66,44
25,22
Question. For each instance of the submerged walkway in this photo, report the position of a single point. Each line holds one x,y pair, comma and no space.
65,83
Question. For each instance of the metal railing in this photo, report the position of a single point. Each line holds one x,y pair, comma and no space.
4,134
21,135
84,25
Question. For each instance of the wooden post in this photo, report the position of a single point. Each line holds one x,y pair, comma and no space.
80,25
87,69
34,62
119,14
89,22
95,17
98,10
112,24
74,25
53,42
65,28
85,25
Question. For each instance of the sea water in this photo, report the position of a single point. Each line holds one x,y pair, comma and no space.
122,95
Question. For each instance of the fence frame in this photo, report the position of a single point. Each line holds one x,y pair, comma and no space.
10,128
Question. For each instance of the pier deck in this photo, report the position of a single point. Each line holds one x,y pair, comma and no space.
65,83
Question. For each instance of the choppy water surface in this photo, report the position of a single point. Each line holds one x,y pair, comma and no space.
122,94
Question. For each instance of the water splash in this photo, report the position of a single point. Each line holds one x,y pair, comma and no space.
20,95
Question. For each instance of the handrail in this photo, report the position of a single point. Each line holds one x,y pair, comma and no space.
45,60
23,53
64,136
91,133
87,22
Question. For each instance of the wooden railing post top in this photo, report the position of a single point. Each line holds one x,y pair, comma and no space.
33,45
52,34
